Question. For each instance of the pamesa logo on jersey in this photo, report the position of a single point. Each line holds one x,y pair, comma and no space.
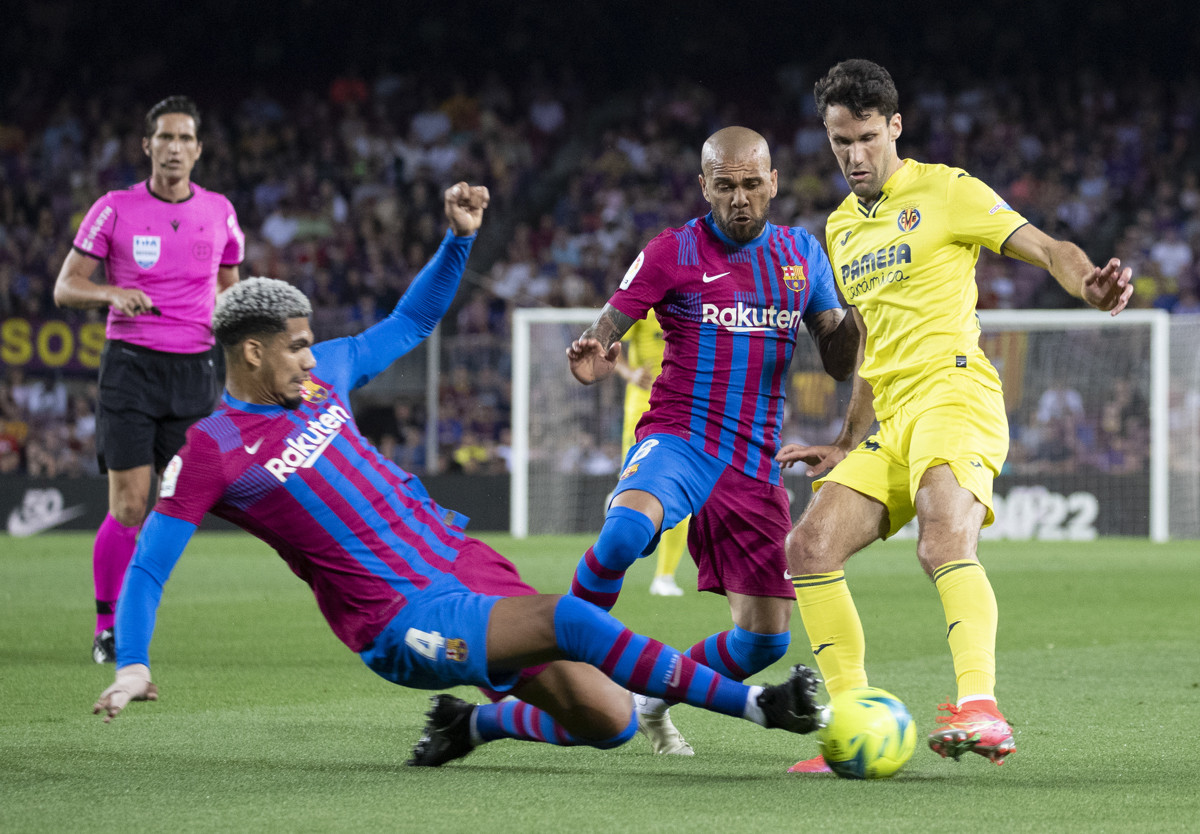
908,218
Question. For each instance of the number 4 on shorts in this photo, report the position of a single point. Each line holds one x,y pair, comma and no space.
426,642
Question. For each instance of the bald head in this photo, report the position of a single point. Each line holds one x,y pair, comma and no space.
734,143
738,182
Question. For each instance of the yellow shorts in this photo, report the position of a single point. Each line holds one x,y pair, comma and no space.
964,425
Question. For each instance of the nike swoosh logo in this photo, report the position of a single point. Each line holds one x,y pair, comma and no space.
676,675
320,450
951,628
21,526
252,449
787,575
821,648
708,279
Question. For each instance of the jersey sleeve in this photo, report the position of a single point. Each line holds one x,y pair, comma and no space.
235,247
978,214
194,481
646,282
820,274
159,546
353,361
96,231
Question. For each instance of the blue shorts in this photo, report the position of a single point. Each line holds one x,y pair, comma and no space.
438,640
738,523
675,472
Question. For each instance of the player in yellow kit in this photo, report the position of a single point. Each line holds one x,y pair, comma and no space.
645,349
903,247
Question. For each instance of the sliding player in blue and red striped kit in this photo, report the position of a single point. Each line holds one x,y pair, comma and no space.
399,582
730,291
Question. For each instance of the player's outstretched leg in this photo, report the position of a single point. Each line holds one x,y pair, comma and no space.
736,653
976,726
454,728
601,571
648,667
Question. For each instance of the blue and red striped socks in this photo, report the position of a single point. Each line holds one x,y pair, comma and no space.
518,720
641,664
623,539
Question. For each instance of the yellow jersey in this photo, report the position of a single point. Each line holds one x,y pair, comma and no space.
646,346
908,265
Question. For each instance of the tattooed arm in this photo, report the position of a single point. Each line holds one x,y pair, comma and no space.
836,335
860,416
593,356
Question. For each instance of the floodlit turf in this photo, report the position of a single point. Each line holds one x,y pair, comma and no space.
267,723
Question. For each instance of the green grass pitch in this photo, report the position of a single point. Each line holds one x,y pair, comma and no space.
267,723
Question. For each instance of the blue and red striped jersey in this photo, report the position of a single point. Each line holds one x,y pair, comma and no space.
362,532
730,314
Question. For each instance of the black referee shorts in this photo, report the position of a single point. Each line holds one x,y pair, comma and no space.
148,399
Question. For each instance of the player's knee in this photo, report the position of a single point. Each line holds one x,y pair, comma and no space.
621,736
577,623
625,536
755,651
799,548
129,513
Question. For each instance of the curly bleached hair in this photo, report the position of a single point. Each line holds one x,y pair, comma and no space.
257,307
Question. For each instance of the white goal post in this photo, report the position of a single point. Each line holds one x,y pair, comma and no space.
1130,469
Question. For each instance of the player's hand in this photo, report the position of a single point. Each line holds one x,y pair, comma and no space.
820,459
590,362
464,207
133,684
1109,287
130,302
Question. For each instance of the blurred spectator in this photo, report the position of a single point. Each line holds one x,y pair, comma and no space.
339,189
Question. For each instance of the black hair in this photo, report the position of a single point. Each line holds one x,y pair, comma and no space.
172,104
858,85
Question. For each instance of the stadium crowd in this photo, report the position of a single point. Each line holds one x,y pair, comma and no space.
338,192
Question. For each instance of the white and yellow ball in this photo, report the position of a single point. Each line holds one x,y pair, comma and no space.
869,734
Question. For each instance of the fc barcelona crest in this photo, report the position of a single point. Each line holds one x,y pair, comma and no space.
795,277
456,649
310,392
908,219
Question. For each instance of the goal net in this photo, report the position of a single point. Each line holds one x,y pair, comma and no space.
1104,416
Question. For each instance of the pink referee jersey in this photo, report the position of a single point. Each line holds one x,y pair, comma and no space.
170,251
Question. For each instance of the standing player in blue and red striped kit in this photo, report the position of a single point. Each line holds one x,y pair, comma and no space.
423,604
730,290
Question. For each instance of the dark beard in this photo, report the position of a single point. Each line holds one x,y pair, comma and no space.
729,232
292,403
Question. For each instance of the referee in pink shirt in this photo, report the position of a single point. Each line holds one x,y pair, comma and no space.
168,248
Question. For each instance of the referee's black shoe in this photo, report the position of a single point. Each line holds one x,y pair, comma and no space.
104,647
447,733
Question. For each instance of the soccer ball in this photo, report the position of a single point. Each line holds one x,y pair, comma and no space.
868,734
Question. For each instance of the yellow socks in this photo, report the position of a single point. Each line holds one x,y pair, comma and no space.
834,629
971,618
